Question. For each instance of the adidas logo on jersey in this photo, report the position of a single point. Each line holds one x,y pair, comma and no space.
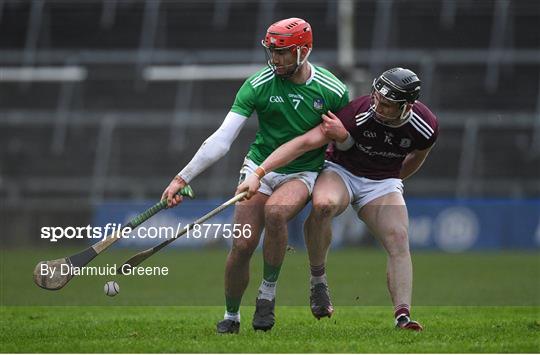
276,99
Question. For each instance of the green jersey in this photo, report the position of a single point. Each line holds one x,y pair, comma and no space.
287,110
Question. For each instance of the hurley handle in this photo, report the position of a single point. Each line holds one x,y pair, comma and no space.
184,191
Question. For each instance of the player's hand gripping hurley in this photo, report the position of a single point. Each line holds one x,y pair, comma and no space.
56,281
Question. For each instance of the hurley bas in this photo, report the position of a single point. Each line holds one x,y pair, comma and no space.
108,270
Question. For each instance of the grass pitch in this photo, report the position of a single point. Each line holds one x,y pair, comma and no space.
474,302
191,329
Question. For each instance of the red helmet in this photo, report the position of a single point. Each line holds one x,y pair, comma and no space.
293,34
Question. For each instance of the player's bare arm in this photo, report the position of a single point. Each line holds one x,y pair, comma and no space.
330,129
286,153
413,161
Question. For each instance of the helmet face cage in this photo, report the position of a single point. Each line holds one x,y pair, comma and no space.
403,108
294,49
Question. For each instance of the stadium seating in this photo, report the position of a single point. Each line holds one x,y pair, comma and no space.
116,135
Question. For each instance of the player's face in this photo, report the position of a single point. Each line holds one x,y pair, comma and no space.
385,109
284,60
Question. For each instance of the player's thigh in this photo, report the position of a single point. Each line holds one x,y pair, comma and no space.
286,201
387,218
250,213
330,195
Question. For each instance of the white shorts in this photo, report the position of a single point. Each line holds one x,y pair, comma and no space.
363,190
272,180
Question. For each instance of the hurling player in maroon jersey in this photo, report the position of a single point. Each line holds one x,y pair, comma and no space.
377,141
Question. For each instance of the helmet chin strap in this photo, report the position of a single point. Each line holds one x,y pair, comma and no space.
394,121
298,53
299,62
405,111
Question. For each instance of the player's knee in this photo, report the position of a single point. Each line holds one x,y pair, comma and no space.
397,242
324,209
243,248
275,216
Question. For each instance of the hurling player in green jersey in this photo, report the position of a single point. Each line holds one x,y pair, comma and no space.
289,97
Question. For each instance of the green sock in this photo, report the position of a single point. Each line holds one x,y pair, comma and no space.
232,304
271,273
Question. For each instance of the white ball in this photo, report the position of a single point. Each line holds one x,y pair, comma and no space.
111,288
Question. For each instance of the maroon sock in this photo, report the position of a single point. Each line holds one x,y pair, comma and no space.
317,271
402,309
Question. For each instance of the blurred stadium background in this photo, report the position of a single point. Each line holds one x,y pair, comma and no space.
104,101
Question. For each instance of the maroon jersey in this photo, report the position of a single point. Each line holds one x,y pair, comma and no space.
379,149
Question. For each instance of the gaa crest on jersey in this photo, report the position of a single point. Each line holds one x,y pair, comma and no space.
318,103
277,99
405,143
370,134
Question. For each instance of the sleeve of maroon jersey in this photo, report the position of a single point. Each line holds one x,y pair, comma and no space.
347,115
429,119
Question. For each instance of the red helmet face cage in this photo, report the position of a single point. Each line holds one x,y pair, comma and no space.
290,34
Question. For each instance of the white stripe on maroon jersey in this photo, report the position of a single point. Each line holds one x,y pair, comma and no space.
362,115
362,118
419,129
423,123
360,122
